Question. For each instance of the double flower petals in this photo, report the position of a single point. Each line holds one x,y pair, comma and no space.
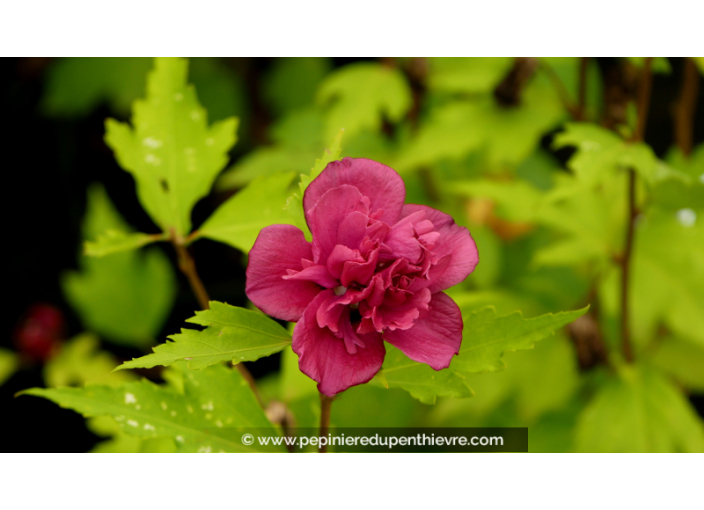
374,272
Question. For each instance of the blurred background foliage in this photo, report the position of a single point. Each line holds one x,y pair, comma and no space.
531,154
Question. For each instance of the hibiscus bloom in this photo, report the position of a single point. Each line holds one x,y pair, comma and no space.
374,272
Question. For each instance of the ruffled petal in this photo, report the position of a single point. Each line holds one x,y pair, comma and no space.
328,214
279,248
317,274
435,338
324,358
454,240
380,183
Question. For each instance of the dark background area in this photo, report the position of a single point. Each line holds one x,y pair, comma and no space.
48,165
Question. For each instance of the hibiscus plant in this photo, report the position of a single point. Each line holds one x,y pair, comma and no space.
397,277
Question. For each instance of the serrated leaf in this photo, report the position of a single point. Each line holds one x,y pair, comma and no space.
600,152
113,241
9,362
170,150
638,410
231,334
361,95
239,220
294,204
421,381
329,155
210,416
125,296
80,361
486,337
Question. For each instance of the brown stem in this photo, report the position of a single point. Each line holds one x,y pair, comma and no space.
582,99
684,110
325,406
646,85
561,90
626,268
188,267
644,90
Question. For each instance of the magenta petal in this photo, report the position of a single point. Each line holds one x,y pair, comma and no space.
352,230
403,243
454,240
380,183
277,249
324,358
435,338
326,216
317,274
338,257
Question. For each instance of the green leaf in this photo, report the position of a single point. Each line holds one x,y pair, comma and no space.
9,363
467,75
639,411
682,360
591,219
517,200
329,155
298,139
294,384
113,241
231,334
125,297
421,381
667,278
170,150
118,442
600,152
210,416
80,362
292,82
361,95
508,134
239,220
486,337
294,204
382,407
221,90
75,86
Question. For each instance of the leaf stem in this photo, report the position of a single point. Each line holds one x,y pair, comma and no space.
325,406
561,90
581,111
684,110
643,102
188,267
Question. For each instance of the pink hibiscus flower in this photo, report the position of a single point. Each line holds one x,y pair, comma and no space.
374,272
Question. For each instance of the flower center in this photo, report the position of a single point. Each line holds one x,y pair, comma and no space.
339,291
